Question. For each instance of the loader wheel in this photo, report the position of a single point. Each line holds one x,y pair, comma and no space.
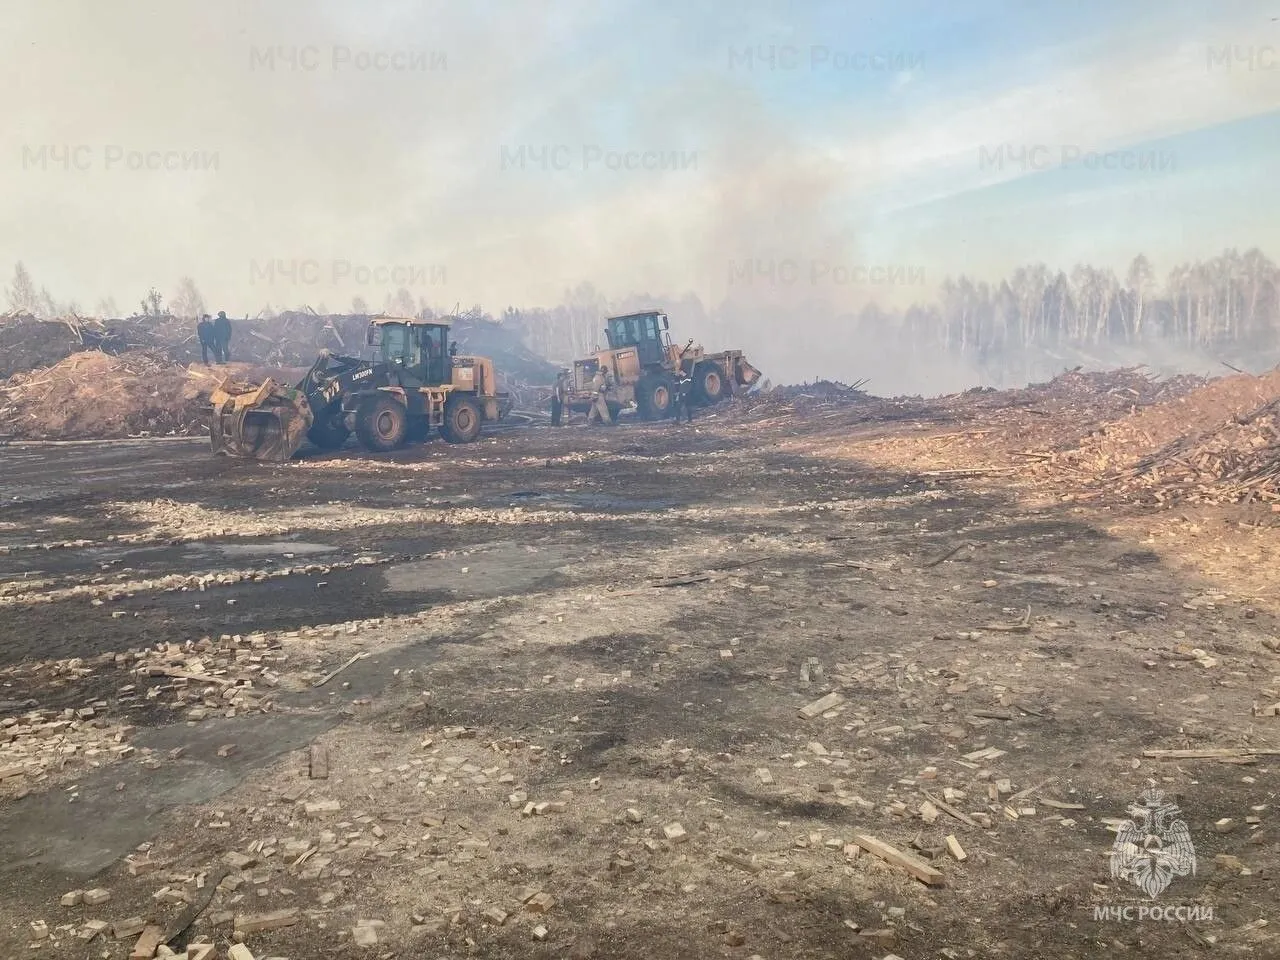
418,431
462,419
655,396
615,408
382,423
329,434
708,383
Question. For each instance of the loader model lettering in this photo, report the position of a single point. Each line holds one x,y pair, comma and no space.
362,374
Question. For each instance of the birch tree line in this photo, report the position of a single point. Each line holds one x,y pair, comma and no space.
1228,301
1231,302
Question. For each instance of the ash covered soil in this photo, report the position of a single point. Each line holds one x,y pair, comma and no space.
570,724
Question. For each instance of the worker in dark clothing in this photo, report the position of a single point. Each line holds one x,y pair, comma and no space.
559,399
222,335
204,330
684,398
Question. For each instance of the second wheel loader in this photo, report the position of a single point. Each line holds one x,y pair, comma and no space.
416,383
645,366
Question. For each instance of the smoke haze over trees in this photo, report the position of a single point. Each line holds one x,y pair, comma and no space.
1025,327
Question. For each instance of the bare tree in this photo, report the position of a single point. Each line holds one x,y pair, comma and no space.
1259,279
1138,282
22,295
187,302
402,304
152,304
46,307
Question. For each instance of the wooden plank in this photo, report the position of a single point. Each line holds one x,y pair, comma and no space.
147,944
738,860
199,905
986,753
821,705
1224,753
319,762
949,809
1030,790
184,675
1059,805
890,854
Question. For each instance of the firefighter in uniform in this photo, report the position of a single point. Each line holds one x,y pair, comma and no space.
601,384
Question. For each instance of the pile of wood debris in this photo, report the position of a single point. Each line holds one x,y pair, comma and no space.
195,680
94,395
1239,462
1216,444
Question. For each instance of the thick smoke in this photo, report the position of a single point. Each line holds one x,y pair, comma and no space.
502,153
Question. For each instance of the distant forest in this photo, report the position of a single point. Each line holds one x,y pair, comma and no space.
1226,308
1230,304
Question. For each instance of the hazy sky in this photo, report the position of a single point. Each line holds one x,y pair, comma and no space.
815,139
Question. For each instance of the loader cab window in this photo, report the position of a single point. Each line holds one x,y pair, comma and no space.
396,346
649,343
435,357
622,332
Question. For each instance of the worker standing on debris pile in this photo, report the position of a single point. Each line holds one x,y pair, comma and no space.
204,330
601,383
222,337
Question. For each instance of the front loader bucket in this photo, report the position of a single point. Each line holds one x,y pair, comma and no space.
744,373
268,422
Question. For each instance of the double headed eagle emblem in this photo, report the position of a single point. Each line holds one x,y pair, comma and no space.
1153,847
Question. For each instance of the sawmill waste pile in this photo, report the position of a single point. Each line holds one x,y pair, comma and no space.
1217,444
93,395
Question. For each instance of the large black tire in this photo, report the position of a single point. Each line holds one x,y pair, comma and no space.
418,431
462,420
329,434
709,385
557,411
656,396
615,408
382,423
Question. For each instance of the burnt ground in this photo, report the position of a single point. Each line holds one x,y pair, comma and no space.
616,620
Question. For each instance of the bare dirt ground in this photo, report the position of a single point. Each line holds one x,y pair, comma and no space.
568,642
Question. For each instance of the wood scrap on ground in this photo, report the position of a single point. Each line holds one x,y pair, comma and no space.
891,854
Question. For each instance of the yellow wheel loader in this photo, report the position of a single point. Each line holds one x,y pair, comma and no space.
646,366
417,382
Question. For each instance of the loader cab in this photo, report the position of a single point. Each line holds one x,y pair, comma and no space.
647,332
417,348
